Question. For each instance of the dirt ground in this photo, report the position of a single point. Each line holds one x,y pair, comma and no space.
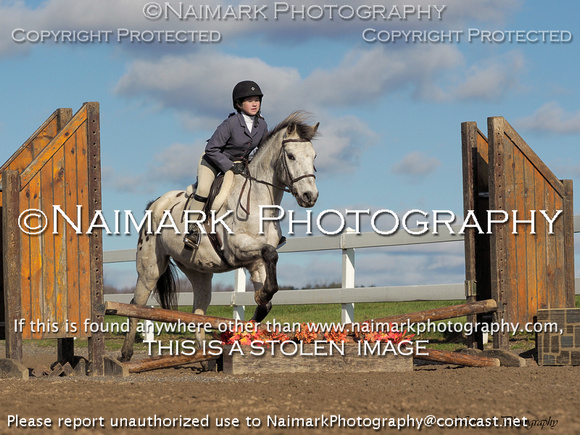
171,397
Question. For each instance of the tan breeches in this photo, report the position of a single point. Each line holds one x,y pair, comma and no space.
205,176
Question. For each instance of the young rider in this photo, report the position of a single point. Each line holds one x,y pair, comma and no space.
233,140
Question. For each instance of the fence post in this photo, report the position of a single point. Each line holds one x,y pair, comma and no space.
239,286
347,312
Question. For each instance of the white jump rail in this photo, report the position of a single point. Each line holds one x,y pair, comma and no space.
348,294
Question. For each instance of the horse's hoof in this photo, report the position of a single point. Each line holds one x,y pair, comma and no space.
123,358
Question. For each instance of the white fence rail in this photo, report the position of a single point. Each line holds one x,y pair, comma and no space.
348,294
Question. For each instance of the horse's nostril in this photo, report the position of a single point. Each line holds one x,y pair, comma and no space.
307,196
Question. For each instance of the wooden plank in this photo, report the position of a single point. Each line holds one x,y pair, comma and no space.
48,151
558,291
514,281
434,314
96,341
37,141
163,315
162,362
25,284
60,247
569,244
48,253
498,265
541,247
445,356
84,265
72,170
558,299
530,298
36,261
533,158
470,197
483,148
551,250
11,259
469,154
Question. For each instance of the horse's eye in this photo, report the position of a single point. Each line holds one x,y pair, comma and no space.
291,157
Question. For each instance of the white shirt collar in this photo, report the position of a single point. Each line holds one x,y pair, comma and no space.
249,121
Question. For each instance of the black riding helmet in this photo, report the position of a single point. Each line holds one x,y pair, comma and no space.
245,89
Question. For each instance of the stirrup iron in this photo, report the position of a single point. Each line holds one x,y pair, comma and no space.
192,238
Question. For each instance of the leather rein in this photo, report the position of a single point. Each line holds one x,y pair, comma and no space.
249,177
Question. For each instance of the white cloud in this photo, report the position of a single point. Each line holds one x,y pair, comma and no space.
190,85
440,263
367,75
200,85
495,12
175,167
176,164
202,98
552,118
198,81
341,143
490,79
416,165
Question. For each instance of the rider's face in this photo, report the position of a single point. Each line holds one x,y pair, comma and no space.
251,106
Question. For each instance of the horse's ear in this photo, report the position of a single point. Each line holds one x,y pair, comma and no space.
290,129
315,127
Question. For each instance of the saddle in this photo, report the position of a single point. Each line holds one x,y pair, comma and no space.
220,189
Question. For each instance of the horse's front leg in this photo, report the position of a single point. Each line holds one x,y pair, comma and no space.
263,276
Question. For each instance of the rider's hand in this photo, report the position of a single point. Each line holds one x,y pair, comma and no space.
238,168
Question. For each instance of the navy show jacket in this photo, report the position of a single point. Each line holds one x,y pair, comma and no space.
232,141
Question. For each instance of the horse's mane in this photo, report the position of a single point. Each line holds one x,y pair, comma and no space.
297,119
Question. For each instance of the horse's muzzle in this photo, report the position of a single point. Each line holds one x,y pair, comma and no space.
307,199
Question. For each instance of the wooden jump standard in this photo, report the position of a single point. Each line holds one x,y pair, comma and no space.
523,271
52,279
163,315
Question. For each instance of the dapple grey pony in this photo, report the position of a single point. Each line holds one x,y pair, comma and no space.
283,162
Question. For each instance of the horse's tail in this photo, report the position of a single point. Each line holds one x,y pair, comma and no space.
166,289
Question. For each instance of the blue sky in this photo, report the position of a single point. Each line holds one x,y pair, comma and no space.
390,113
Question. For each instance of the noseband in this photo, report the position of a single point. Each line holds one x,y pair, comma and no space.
286,188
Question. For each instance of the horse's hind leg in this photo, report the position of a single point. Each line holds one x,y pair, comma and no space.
146,282
201,285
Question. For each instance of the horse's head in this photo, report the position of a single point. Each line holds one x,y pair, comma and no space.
296,168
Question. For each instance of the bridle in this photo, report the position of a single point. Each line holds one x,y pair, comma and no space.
285,164
285,187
